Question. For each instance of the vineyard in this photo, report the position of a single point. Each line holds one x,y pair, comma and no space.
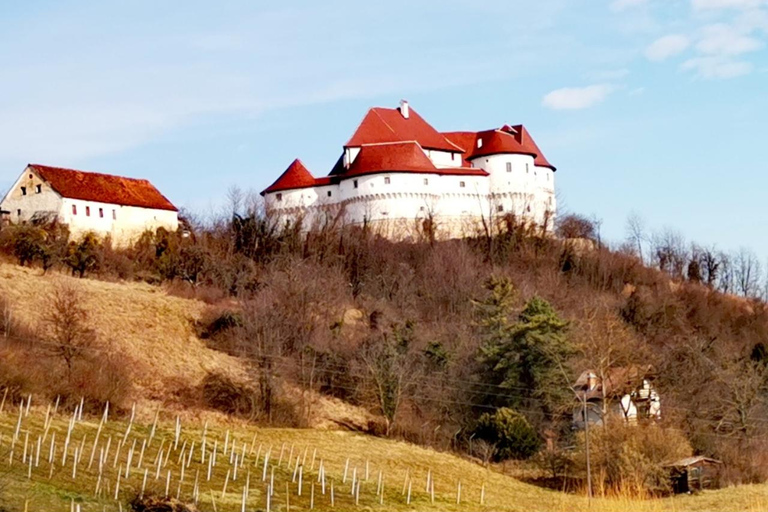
57,460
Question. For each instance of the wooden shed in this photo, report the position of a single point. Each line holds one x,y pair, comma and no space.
694,473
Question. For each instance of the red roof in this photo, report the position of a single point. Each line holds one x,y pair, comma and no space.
295,176
507,139
102,188
401,157
388,125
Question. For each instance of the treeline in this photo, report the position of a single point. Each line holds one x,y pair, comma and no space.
471,345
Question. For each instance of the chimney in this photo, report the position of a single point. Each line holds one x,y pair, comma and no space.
404,109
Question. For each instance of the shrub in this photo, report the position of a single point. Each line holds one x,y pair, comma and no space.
509,433
223,394
631,458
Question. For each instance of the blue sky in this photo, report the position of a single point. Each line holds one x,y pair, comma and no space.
652,106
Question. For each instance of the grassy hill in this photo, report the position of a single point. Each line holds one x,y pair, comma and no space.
38,484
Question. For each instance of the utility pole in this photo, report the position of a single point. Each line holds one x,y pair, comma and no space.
586,441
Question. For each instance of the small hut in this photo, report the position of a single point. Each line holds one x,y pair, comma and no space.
694,474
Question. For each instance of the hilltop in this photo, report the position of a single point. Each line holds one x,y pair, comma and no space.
465,346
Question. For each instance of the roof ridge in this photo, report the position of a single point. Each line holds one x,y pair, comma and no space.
94,173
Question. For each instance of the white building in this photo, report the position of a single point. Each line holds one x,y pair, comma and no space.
122,208
625,392
397,171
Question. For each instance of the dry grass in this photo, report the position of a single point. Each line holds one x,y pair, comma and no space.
53,490
156,331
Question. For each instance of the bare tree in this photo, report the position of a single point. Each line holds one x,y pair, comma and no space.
637,235
70,336
747,273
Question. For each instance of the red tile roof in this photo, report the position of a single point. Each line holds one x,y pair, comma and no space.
102,188
515,140
388,125
529,143
401,157
295,176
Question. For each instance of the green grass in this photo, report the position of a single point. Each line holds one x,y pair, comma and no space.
54,489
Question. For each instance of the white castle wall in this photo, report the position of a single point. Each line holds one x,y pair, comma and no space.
526,190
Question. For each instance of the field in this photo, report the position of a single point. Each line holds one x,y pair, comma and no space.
56,460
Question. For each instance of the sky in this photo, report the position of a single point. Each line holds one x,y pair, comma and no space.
658,107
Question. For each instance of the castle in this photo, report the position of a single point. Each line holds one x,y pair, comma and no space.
397,171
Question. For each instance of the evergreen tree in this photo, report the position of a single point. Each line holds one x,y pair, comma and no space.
522,360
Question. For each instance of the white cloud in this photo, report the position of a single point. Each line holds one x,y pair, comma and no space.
666,47
575,98
717,67
622,5
723,39
709,5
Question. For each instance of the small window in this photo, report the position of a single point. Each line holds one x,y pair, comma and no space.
509,166
18,212
528,208
500,208
426,181
114,215
547,176
387,181
87,211
38,189
526,168
479,143
23,191
462,184
279,197
355,183
101,213
453,157
329,193
421,208
30,176
74,209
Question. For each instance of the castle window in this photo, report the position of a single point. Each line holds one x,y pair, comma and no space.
23,191
426,181
87,211
509,166
421,208
528,208
547,176
355,183
279,197
462,184
101,213
500,208
329,193
479,143
387,180
74,209
18,212
114,215
38,189
526,168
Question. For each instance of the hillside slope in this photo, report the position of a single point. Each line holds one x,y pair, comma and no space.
48,480
156,332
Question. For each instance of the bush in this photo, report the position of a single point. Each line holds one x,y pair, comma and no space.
223,394
628,458
509,433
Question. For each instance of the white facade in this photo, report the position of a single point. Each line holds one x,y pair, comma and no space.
31,197
462,189
459,203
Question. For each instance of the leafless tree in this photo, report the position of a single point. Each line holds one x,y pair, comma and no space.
747,272
637,234
70,336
